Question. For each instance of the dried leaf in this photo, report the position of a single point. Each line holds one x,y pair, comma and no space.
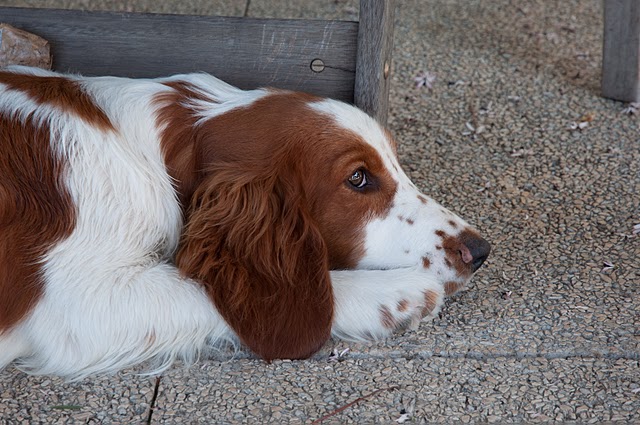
583,122
403,418
457,83
632,108
356,401
476,131
588,117
607,266
578,125
486,109
522,152
425,79
338,356
487,185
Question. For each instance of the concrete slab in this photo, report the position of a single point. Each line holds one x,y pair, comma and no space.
550,328
104,399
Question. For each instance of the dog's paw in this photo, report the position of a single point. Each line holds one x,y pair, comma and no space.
374,304
409,307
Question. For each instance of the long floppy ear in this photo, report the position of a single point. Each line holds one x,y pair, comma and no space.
250,241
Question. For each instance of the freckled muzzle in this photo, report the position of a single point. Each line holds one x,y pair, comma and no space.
465,252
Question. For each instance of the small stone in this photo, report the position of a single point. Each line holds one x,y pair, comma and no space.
19,47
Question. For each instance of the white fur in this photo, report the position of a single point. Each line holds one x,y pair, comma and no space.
361,295
113,299
390,241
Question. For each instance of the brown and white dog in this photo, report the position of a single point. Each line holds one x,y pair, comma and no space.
153,219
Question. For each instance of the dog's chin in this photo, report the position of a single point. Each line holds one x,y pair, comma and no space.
453,287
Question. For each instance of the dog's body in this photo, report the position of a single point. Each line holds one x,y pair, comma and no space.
151,219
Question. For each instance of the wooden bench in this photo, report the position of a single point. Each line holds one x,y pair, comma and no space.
350,61
621,51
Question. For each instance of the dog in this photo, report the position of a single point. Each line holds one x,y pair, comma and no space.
148,220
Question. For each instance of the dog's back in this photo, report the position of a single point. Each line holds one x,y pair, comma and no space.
89,222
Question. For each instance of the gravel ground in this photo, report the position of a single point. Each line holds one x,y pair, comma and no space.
124,399
550,328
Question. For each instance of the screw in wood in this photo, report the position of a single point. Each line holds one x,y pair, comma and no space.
317,65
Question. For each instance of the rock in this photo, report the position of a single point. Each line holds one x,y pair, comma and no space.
19,47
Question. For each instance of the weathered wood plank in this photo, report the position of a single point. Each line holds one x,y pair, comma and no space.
621,51
245,52
373,66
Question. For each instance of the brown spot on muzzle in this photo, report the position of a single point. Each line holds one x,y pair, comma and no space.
465,252
409,221
453,259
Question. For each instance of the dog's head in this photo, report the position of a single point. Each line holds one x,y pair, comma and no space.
282,187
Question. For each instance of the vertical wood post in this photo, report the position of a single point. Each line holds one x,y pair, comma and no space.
621,50
373,63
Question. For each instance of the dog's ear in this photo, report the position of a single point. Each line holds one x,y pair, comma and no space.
251,242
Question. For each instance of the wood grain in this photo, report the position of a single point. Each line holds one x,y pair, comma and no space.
621,51
245,52
373,66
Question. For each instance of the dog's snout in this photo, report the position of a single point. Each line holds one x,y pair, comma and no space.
474,250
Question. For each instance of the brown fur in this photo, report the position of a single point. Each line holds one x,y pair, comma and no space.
268,213
35,212
387,318
179,139
430,302
452,287
262,260
403,305
60,92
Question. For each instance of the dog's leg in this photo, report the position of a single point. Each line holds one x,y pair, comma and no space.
12,346
371,304
109,321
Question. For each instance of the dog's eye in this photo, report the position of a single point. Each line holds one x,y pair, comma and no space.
358,179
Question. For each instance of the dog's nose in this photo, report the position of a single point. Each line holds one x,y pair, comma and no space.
474,250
